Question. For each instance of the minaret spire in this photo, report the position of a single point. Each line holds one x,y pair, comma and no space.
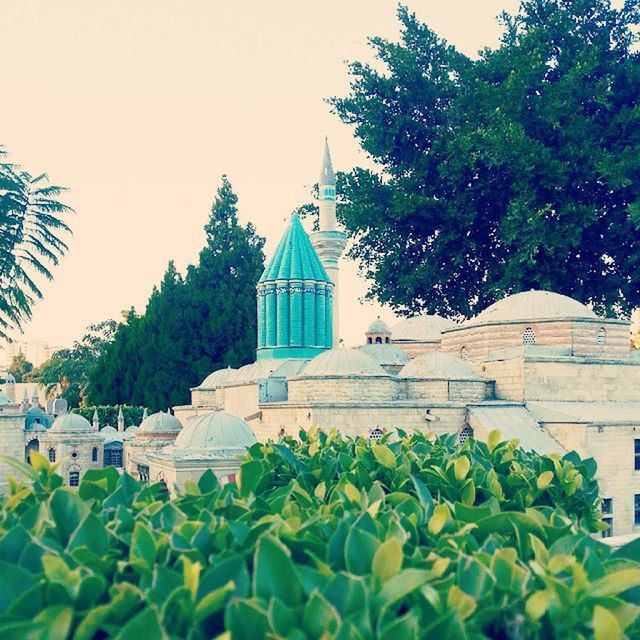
329,241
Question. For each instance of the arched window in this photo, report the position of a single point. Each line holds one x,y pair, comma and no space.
74,478
601,335
528,337
94,454
52,455
464,434
464,353
376,434
387,339
33,445
369,341
378,340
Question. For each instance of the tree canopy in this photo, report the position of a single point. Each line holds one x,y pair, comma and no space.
516,170
20,368
192,324
31,230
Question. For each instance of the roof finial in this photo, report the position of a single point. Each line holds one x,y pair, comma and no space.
327,176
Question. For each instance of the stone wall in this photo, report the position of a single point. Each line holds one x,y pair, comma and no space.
343,389
207,397
241,400
414,349
139,446
12,439
175,473
74,452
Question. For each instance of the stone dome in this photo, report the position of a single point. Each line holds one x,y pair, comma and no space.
255,371
386,354
217,378
216,433
110,434
424,328
533,305
343,362
379,326
160,423
438,365
71,423
36,418
129,432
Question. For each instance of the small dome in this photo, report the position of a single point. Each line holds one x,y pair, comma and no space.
438,365
215,433
71,423
424,328
343,362
379,326
37,419
110,434
264,368
160,422
386,354
533,305
217,378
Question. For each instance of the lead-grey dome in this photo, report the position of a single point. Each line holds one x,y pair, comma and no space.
215,433
424,328
160,422
386,354
342,362
379,326
37,419
111,434
71,423
217,378
438,365
533,305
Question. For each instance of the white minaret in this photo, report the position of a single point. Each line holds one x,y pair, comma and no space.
329,241
120,420
96,420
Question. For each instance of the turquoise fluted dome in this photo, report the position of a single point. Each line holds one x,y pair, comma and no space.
295,305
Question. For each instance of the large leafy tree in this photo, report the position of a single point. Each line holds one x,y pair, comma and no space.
517,170
192,325
20,368
32,228
66,373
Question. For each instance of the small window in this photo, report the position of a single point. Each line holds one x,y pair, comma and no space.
94,454
387,339
636,509
465,433
528,337
378,340
607,506
637,454
609,532
369,341
74,454
74,478
601,335
52,455
376,434
464,353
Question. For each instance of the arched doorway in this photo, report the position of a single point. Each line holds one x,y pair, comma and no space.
32,445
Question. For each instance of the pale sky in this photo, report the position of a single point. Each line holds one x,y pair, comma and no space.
140,107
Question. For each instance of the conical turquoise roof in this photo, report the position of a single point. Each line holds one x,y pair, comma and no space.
295,258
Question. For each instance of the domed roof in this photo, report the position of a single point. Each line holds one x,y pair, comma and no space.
216,433
160,422
342,362
386,354
424,328
378,326
36,418
71,423
217,378
438,365
110,434
255,371
295,258
533,305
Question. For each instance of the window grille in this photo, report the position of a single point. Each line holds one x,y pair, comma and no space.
376,434
465,433
528,337
601,335
52,455
74,478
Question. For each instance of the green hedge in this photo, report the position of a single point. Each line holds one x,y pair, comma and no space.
108,414
323,538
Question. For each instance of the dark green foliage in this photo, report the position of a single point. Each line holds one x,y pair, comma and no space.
192,325
108,414
66,373
518,170
31,231
324,538
20,368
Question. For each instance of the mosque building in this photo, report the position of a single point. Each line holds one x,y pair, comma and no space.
537,365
